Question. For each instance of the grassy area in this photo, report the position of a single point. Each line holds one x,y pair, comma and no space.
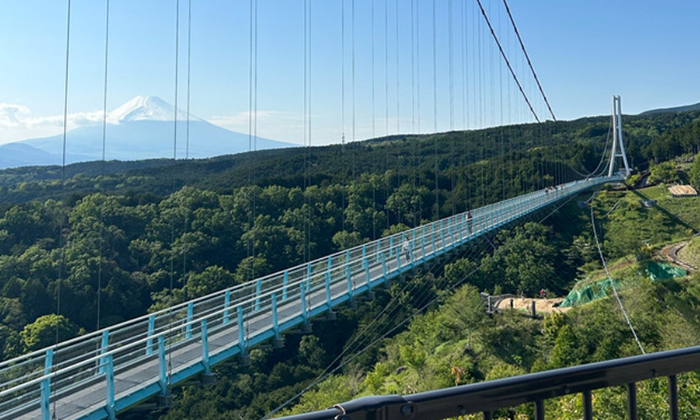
620,268
691,252
657,192
685,209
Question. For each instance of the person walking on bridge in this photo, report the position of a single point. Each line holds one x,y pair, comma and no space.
469,218
405,250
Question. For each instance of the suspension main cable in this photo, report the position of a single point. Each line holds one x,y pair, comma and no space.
527,56
505,58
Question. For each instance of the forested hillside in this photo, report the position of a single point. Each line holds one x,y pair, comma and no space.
521,153
136,237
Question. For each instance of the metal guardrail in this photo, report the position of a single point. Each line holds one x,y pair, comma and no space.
534,388
207,330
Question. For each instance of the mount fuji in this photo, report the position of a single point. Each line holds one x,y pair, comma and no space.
142,128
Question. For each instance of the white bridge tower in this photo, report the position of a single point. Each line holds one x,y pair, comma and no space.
618,146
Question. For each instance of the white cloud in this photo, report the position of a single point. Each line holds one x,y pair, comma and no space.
11,114
17,123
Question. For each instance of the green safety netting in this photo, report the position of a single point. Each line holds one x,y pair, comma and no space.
589,293
600,289
662,271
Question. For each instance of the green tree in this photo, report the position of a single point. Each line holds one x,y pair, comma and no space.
44,331
695,172
213,278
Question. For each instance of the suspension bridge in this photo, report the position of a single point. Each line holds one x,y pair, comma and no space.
108,371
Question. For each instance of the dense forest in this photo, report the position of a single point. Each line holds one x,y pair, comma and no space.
138,236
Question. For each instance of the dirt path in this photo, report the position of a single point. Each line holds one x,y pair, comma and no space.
670,252
541,305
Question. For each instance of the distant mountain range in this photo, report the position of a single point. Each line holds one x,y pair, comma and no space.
685,108
142,128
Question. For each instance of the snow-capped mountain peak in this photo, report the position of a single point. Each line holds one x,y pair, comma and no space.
148,108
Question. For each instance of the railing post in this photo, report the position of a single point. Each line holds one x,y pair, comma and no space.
422,241
162,368
275,319
284,285
308,276
46,386
378,250
241,329
258,290
227,302
632,401
348,275
673,397
539,410
587,405
151,328
432,237
103,349
188,327
205,346
391,245
304,309
109,377
328,282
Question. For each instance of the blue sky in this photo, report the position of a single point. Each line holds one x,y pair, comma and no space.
583,51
